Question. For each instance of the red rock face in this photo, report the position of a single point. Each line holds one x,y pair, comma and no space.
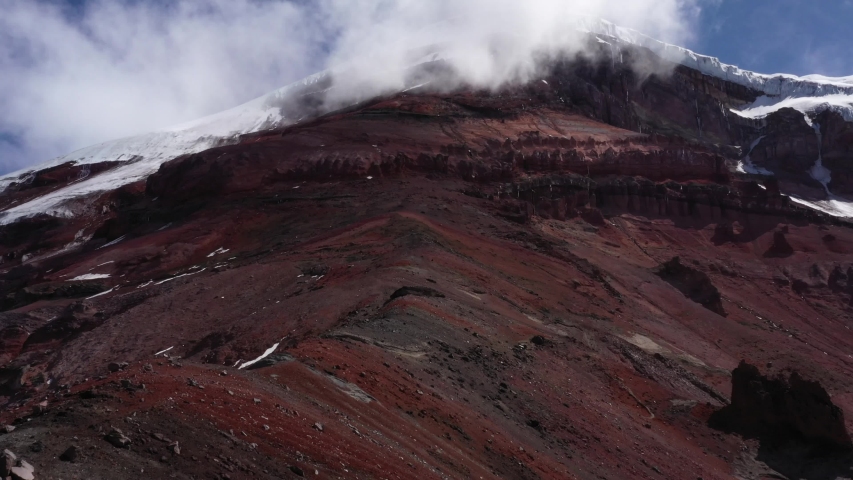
466,285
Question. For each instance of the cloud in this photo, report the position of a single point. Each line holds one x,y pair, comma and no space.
487,42
75,76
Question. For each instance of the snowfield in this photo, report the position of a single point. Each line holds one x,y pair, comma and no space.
143,154
90,276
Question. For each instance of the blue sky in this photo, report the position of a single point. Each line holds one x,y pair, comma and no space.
779,36
79,72
768,36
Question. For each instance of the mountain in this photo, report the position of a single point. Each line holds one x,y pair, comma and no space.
135,158
636,265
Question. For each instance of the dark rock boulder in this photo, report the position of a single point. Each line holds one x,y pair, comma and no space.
724,232
782,410
694,284
7,462
780,248
11,379
70,454
117,438
12,340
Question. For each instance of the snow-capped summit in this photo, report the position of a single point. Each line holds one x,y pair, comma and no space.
143,154
811,94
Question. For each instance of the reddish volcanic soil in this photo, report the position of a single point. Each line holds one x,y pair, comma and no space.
449,295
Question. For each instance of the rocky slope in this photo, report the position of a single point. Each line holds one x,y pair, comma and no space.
554,280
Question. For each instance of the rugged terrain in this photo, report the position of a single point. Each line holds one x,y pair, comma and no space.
554,280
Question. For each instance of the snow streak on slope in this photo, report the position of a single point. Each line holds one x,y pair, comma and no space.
818,171
746,166
831,206
810,94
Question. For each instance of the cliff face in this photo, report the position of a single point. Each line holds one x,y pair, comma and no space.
548,281
791,145
837,150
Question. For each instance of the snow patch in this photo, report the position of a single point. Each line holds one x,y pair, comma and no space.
266,354
163,351
220,251
179,276
102,293
808,105
415,87
90,276
818,171
117,240
834,205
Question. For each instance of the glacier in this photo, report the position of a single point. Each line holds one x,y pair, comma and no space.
810,94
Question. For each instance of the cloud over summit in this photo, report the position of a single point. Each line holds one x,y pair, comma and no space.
75,76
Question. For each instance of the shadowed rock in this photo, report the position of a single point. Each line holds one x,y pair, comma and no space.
782,410
11,378
694,284
417,291
724,232
12,340
70,455
780,247
117,438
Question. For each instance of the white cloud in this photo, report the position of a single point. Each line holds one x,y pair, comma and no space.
118,68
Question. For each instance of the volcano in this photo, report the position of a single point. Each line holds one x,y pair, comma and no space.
599,273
